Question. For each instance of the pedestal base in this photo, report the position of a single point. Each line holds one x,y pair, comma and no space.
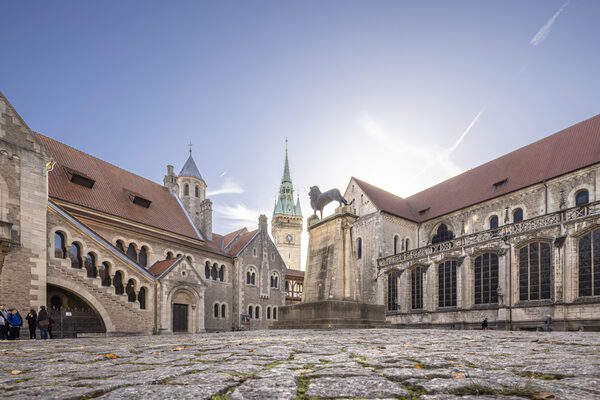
331,314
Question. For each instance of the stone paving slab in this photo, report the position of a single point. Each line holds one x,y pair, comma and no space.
302,365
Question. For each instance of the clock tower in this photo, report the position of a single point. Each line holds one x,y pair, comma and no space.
286,224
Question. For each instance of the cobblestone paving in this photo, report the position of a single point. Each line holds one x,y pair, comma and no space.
413,364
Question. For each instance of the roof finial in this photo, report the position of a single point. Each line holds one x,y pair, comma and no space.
286,141
190,145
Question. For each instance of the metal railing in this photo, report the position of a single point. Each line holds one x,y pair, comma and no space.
504,231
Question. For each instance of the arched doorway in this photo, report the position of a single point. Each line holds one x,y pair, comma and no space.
72,314
183,305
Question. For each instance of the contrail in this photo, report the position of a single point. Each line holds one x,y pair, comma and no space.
460,139
545,30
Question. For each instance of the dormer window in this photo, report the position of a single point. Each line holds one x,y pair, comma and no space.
424,211
500,184
79,178
139,200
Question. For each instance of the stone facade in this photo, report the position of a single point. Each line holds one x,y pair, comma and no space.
396,251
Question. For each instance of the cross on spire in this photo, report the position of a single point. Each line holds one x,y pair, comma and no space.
286,142
190,145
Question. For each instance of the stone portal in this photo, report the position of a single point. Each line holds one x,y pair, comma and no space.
331,287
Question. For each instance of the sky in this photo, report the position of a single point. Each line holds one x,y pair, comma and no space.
401,94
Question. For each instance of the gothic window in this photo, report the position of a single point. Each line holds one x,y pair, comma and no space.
254,252
257,312
213,272
131,253
75,255
186,190
59,245
216,311
494,222
197,191
104,274
274,312
268,312
118,282
251,277
518,215
442,235
581,198
130,290
392,295
250,309
359,248
143,257
207,270
416,281
120,246
169,255
222,273
486,279
406,245
396,244
223,310
274,280
142,298
90,265
447,284
534,271
589,264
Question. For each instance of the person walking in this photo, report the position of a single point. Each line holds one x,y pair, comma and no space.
548,323
43,322
3,323
484,324
15,322
32,322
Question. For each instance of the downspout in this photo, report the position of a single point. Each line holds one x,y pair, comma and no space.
510,286
155,330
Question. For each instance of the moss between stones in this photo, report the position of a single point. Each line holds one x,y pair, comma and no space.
526,390
224,395
536,375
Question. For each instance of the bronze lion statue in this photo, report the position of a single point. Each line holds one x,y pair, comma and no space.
319,200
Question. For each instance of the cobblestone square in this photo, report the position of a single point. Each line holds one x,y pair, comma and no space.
412,364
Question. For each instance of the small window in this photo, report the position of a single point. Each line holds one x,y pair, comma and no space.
268,312
254,252
59,245
213,272
424,211
75,255
581,198
169,255
197,191
274,280
216,311
186,190
143,257
359,248
274,312
406,245
118,282
223,310
90,266
443,235
131,253
494,222
79,178
396,244
104,274
222,273
250,311
500,184
142,298
207,270
257,312
518,215
130,290
120,246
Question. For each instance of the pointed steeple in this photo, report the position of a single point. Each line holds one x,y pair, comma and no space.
190,168
285,201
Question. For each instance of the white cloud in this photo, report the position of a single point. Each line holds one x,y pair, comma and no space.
228,187
238,216
543,33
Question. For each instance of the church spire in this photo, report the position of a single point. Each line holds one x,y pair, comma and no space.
285,202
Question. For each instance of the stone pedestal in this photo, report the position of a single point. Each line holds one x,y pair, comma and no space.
331,298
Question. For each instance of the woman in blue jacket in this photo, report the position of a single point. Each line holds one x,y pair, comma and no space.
15,322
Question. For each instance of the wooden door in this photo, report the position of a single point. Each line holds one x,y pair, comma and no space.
180,317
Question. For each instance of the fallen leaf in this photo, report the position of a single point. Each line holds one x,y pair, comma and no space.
459,365
16,372
111,356
543,395
418,366
456,375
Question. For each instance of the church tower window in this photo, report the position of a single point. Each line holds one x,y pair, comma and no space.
186,190
197,191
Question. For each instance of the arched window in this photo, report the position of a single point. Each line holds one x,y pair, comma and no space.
442,235
494,222
581,198
142,298
257,312
131,253
75,255
486,279
169,255
274,280
253,278
447,284
130,290
416,283
216,311
207,270
406,244
359,248
392,295
223,310
268,312
143,257
396,244
105,274
189,259
120,246
589,264
59,245
186,190
250,311
197,191
222,273
118,282
274,312
254,252
90,265
534,271
518,215
214,272
248,277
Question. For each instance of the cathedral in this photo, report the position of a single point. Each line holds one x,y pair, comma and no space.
112,253
515,240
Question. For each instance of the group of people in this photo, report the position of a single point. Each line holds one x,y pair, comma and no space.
11,322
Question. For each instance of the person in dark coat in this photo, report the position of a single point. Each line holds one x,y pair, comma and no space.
32,322
15,322
3,323
484,324
43,322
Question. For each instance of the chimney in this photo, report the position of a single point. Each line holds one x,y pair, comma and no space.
170,181
206,218
262,223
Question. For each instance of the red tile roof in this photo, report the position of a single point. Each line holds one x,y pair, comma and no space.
242,241
159,267
112,188
568,150
230,236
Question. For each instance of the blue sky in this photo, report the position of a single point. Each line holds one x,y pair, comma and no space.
382,90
